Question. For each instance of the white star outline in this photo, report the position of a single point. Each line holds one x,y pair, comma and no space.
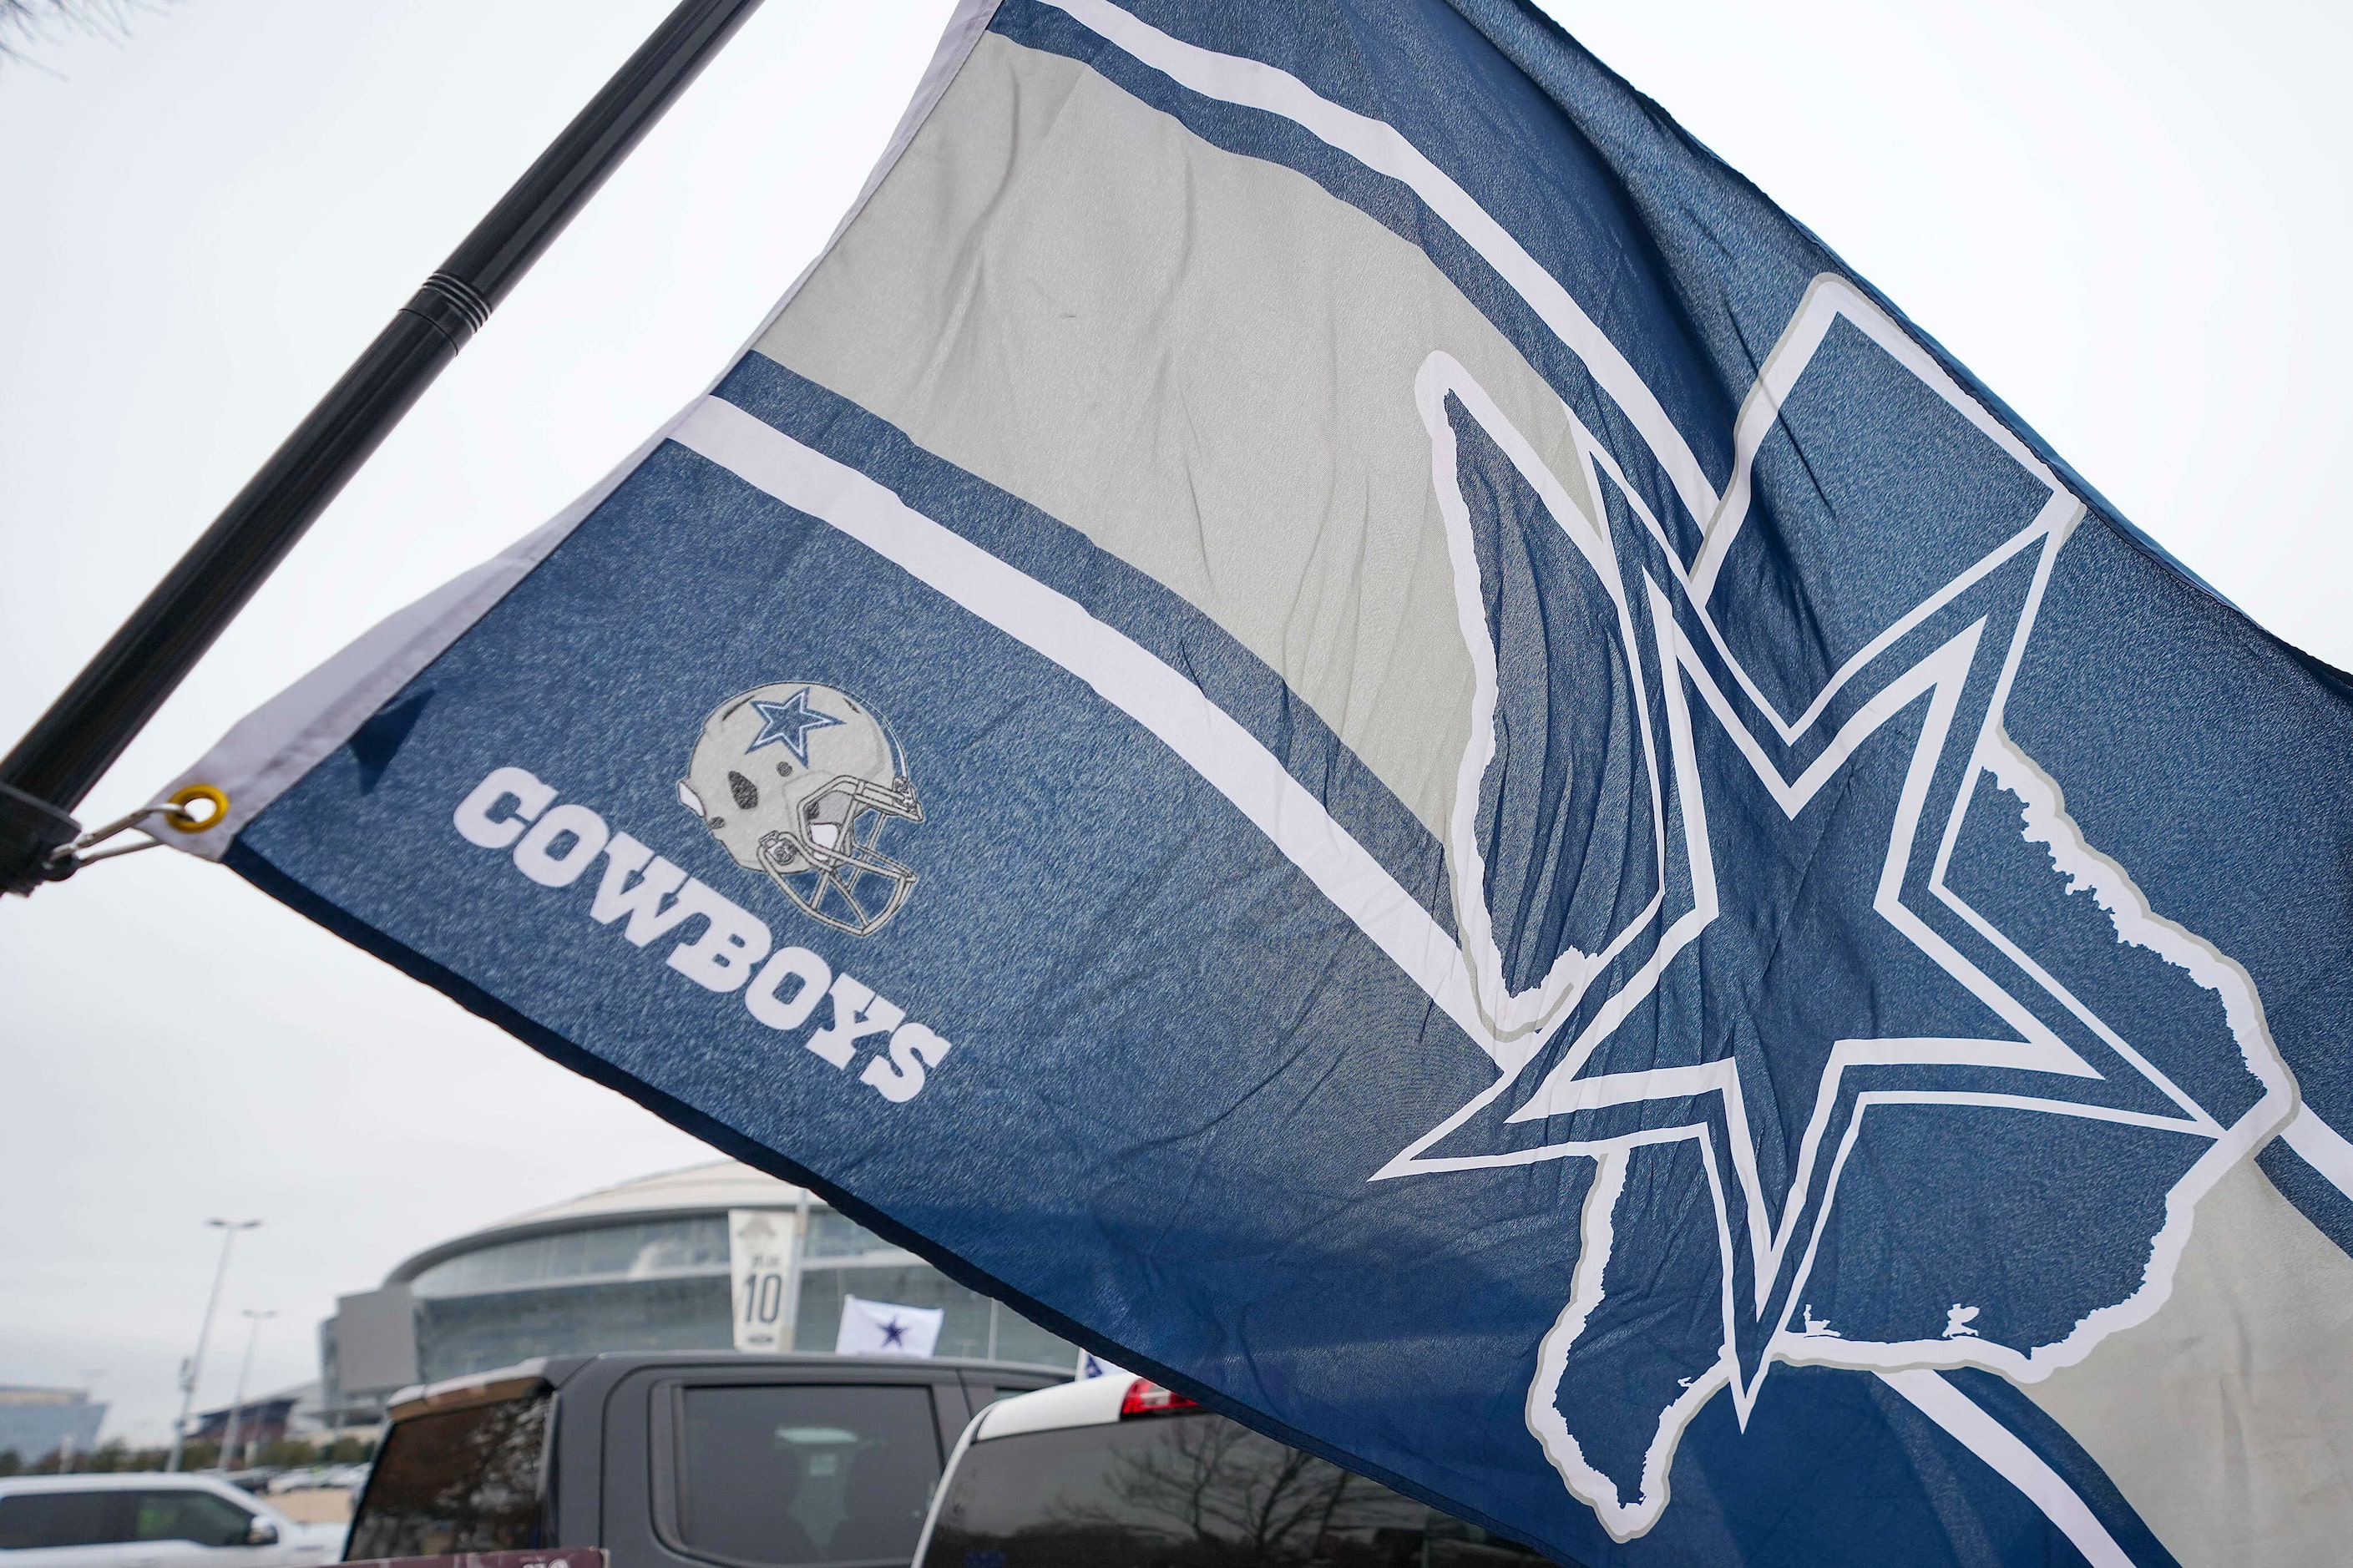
1462,974
1519,1024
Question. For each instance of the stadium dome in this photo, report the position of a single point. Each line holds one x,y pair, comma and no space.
648,1265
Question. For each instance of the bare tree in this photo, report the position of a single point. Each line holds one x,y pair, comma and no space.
24,23
1221,1493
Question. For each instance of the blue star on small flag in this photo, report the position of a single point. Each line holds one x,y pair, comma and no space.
790,722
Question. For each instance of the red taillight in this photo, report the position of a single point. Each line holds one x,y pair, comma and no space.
1146,1397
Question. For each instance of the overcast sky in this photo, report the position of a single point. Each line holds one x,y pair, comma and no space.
2128,218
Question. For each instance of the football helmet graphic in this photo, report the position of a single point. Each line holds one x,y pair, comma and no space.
798,780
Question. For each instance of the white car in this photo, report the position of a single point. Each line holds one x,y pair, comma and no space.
1117,1469
151,1521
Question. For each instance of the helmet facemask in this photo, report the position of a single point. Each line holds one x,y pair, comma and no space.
829,862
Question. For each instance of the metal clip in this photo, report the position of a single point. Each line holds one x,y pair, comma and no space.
68,858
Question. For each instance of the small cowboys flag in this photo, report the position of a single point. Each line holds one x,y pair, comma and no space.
886,1327
1328,709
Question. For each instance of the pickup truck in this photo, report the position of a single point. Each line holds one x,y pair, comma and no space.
709,1460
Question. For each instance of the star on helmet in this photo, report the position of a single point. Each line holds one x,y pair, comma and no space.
790,722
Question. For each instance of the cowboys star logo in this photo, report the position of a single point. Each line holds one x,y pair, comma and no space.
1871,1058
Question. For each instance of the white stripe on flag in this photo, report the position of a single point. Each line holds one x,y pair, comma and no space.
2016,1463
1122,671
2323,1148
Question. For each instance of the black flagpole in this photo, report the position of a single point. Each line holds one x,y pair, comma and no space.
65,754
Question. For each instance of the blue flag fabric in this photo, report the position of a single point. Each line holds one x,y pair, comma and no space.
1329,709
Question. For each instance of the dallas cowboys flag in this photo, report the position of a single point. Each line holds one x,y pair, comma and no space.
1329,709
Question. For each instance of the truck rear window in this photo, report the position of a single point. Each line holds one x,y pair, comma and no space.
1186,1492
460,1481
793,1473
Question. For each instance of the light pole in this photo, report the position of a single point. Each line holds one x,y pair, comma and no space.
90,1376
194,1366
245,1370
789,1330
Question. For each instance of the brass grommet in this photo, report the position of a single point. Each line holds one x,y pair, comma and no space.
182,820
